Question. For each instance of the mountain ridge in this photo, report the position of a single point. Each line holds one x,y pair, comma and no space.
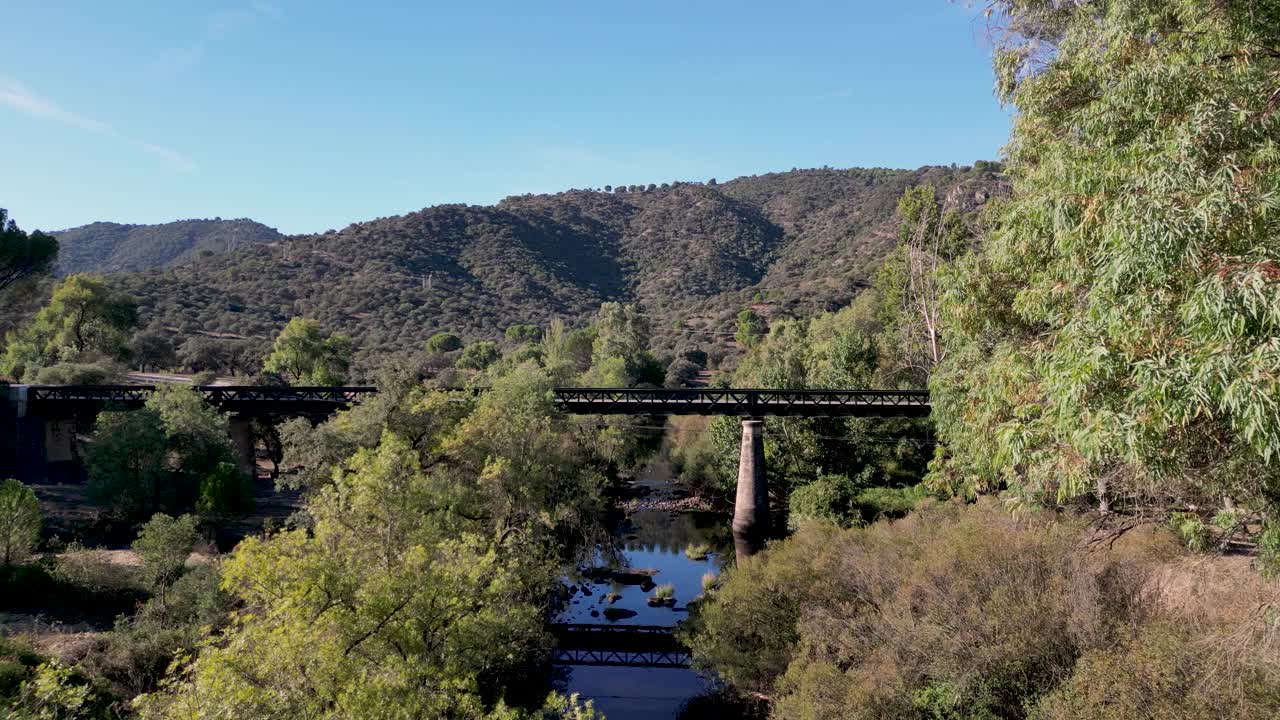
692,254
109,247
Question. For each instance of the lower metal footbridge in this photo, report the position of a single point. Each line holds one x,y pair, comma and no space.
618,645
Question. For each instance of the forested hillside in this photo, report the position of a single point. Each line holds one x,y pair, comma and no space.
112,247
693,254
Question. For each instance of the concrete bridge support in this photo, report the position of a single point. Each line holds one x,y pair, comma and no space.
60,440
24,438
241,428
10,437
751,507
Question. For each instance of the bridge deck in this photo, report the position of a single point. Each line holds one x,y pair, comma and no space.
288,400
247,399
743,402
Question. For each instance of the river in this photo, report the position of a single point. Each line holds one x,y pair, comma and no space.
651,540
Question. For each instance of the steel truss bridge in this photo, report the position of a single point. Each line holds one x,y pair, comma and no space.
61,400
742,402
610,645
288,400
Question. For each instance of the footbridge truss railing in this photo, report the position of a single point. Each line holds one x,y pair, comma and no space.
614,645
742,402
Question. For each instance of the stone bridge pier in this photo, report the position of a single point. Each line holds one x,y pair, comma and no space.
242,444
751,521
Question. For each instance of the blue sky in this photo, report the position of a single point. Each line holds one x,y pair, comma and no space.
312,115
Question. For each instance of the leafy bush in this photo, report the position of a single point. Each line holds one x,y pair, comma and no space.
1192,529
95,571
697,551
102,372
136,653
829,497
54,691
19,521
478,356
1161,672
225,490
954,611
164,544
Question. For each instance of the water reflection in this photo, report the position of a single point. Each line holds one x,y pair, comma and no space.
653,541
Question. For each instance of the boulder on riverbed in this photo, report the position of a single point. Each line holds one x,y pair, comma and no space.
618,613
628,576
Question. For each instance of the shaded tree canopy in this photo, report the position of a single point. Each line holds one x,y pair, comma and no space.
21,254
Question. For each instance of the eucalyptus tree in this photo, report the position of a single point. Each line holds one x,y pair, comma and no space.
1117,340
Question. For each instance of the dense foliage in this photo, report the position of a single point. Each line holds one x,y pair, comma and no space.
169,456
965,611
1116,339
106,247
418,590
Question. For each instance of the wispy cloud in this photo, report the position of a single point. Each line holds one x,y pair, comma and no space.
212,27
15,96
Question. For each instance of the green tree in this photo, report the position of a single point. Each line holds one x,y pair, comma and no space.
419,588
164,543
162,456
620,352
305,354
443,342
19,521
520,334
85,320
566,353
154,350
751,327
127,463
205,354
195,431
930,235
23,255
1115,339
478,355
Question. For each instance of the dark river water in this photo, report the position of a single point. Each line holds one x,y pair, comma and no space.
651,540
